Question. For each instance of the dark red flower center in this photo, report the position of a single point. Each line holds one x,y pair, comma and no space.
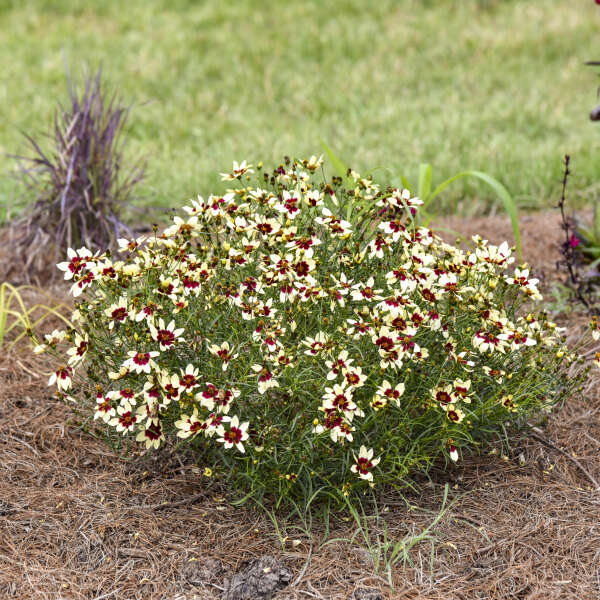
141,358
165,337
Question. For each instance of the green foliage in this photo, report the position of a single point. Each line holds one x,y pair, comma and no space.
588,235
14,314
304,358
427,195
385,550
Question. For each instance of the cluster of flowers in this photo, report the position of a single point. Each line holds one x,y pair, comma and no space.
272,322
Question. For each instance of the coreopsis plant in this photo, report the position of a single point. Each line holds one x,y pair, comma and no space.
297,350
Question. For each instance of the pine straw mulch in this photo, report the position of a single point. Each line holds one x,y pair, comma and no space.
78,522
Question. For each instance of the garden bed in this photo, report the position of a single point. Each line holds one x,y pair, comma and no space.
78,522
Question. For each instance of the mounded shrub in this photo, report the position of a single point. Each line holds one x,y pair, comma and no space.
296,348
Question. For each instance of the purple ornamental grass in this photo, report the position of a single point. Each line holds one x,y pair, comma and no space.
79,186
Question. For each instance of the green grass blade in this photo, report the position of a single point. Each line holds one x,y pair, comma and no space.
597,221
509,204
425,176
340,168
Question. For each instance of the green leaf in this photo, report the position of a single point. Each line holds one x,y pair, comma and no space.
597,221
509,204
339,166
406,183
342,171
425,176
591,250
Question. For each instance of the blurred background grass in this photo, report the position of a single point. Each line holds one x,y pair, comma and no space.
494,85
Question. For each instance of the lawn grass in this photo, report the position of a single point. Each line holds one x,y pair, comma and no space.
494,85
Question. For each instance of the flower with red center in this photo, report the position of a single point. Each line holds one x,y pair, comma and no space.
152,435
386,393
77,262
302,268
147,312
62,378
224,352
189,378
265,309
316,344
141,362
104,408
497,374
127,394
443,395
234,435
117,312
461,390
339,398
250,284
428,295
488,342
365,291
385,343
304,245
238,170
288,205
453,413
190,426
190,285
266,380
109,272
364,462
130,245
125,419
79,349
393,228
354,376
507,402
224,399
518,338
151,391
335,367
82,282
166,335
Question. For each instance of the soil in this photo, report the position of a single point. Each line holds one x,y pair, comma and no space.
80,522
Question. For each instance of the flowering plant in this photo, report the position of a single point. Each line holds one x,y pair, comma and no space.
297,350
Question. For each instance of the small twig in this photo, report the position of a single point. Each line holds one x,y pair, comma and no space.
548,443
107,595
303,571
311,594
217,586
29,371
16,439
315,593
189,500
132,553
589,437
590,352
38,414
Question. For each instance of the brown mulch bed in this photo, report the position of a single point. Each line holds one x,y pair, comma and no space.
77,521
